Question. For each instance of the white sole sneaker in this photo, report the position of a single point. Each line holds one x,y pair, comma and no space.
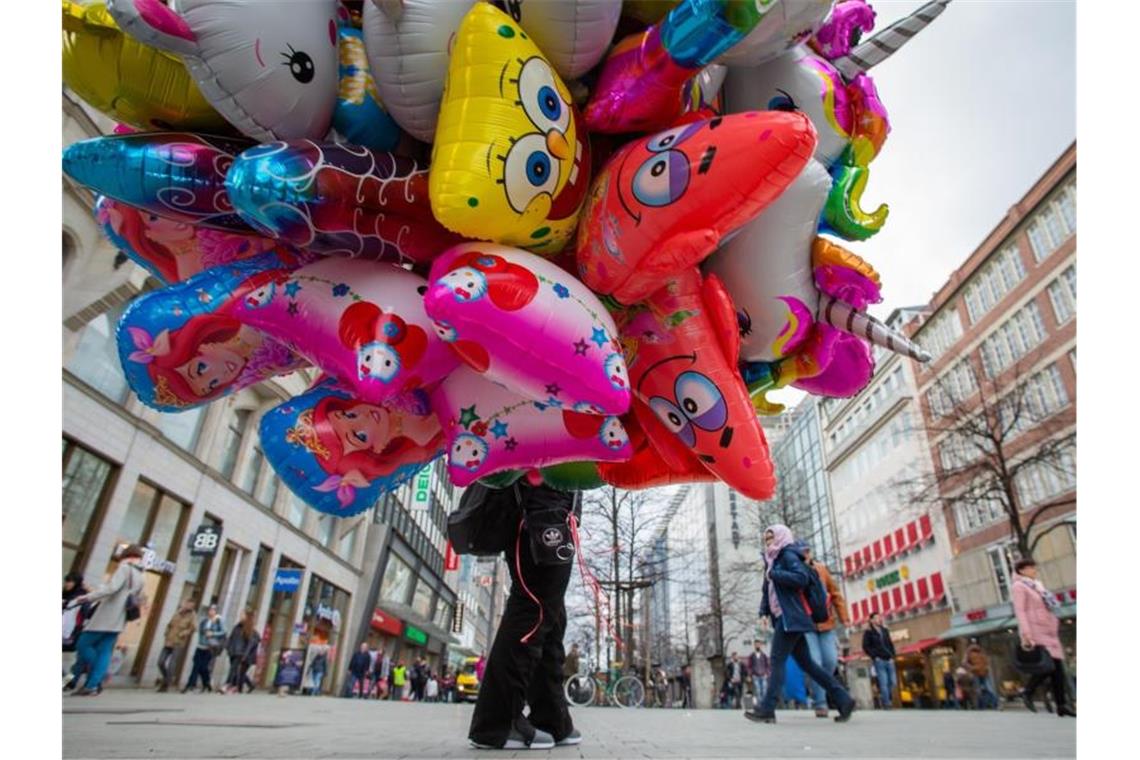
570,741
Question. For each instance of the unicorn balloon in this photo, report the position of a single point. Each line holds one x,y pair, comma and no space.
268,66
804,322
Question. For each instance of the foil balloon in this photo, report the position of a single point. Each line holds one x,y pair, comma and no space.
648,467
526,324
359,116
128,81
185,346
362,322
490,428
407,44
177,175
511,162
785,23
573,34
339,454
664,203
338,199
682,346
268,66
642,80
169,249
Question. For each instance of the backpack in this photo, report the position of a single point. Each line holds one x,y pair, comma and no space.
486,520
816,598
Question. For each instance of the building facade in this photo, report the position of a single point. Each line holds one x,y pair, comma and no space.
895,549
1003,333
131,474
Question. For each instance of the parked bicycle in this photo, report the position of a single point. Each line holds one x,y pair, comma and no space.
582,689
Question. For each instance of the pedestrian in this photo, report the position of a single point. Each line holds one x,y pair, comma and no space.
967,688
978,663
948,686
358,670
686,679
399,679
211,642
381,670
527,659
419,678
431,689
573,662
243,639
317,668
783,601
878,646
174,641
734,677
75,616
480,666
252,644
96,643
1038,625
823,642
758,669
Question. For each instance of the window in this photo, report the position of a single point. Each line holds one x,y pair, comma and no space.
443,615
993,281
421,601
346,546
96,358
1014,338
1046,480
1000,569
296,511
1054,222
1073,359
236,422
86,482
1063,295
975,514
943,330
252,470
267,493
182,428
397,583
326,529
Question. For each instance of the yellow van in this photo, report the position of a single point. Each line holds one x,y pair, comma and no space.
467,683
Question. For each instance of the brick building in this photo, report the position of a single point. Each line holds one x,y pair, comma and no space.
1002,330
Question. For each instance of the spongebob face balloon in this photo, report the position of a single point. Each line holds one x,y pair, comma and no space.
511,160
269,66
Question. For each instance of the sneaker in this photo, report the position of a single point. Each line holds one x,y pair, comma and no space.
758,717
571,739
517,740
821,712
845,711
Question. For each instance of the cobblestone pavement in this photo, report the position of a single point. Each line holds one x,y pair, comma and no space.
138,723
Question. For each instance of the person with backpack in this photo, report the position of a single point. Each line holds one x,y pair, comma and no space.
74,618
823,642
878,646
794,599
242,649
211,642
120,602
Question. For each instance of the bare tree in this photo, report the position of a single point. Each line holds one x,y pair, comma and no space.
990,437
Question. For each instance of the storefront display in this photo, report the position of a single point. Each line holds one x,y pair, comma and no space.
326,606
282,606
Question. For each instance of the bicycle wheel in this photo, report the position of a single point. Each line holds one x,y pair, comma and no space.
629,692
580,690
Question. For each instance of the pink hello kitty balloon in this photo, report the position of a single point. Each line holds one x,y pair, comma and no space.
361,321
489,428
522,321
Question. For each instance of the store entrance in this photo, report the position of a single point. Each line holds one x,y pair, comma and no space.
278,626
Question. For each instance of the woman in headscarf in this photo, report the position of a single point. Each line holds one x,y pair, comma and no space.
785,604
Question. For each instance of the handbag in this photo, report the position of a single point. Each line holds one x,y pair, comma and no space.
486,520
132,610
1031,662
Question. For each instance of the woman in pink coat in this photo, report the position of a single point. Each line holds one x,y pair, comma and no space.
1033,604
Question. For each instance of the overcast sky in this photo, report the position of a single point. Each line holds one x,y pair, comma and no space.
981,103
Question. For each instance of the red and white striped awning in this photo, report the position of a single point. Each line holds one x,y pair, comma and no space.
879,552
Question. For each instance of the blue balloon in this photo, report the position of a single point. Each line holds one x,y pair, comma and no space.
339,454
359,117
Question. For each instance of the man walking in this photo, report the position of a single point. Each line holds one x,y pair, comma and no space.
823,643
399,679
177,637
878,646
758,667
734,675
358,671
211,641
96,643
978,663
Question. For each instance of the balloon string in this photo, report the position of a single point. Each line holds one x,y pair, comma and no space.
592,583
518,566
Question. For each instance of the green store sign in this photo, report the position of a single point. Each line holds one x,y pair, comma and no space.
889,579
415,635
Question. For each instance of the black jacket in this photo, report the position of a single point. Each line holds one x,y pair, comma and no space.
359,663
878,644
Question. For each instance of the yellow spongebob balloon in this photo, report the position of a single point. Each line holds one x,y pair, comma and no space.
511,160
131,82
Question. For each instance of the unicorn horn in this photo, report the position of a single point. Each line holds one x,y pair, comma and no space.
862,325
883,44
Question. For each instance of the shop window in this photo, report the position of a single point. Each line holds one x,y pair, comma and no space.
253,470
257,578
87,482
96,358
421,602
279,626
397,583
183,428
